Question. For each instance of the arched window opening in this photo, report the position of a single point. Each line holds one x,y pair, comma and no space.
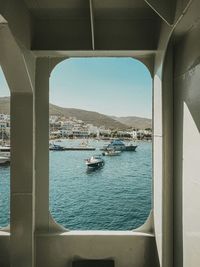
4,151
93,102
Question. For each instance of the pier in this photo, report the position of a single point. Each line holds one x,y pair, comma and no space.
75,149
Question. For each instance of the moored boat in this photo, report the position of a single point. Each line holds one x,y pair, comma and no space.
130,147
111,152
56,147
119,145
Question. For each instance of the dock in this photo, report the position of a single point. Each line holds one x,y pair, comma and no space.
75,149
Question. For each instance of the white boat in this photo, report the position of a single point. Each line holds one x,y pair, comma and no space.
111,152
119,145
4,160
95,162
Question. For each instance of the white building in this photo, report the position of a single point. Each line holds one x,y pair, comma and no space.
103,131
4,117
68,125
66,132
93,129
134,134
3,124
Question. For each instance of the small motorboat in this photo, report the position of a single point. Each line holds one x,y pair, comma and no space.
111,152
95,162
4,160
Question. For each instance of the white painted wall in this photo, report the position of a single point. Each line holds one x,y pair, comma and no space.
127,249
187,149
161,181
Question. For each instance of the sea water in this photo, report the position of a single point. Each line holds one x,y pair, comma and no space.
117,196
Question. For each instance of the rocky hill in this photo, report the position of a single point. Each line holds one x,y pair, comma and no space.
94,118
135,122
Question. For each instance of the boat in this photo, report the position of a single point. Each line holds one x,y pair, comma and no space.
56,147
119,145
130,147
111,152
84,144
95,162
4,160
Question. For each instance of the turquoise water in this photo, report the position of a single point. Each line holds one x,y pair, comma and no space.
115,197
4,195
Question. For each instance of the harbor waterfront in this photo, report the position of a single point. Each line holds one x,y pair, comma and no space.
114,197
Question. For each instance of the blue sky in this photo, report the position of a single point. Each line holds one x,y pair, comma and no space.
112,86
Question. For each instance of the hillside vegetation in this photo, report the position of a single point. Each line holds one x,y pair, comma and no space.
92,117
135,122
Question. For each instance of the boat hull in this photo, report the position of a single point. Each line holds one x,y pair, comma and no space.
130,148
111,153
95,162
125,148
95,165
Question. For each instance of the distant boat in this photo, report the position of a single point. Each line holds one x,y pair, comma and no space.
119,145
111,152
95,162
84,144
130,147
56,147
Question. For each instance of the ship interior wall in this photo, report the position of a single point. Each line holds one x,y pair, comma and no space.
34,239
186,148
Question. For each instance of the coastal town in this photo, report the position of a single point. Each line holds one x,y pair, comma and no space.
72,128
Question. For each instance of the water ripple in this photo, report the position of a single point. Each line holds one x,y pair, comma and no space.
115,197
